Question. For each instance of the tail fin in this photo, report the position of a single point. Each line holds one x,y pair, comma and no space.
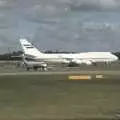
28,48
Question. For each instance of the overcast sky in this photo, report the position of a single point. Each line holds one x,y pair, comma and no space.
71,25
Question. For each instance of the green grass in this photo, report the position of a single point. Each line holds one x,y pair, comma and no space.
55,97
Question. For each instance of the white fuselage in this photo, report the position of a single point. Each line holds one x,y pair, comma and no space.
79,58
87,56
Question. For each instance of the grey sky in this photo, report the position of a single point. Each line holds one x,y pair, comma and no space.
72,25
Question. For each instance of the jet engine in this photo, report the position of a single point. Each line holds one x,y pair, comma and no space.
87,62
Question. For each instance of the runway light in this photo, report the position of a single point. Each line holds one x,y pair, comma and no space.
81,77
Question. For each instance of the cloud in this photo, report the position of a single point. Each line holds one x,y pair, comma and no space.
42,10
8,39
7,14
7,4
6,21
48,10
3,3
86,5
72,36
62,24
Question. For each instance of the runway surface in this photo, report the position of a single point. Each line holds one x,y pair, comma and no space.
52,96
107,72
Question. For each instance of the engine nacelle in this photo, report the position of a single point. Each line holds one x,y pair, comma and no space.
65,61
87,62
77,61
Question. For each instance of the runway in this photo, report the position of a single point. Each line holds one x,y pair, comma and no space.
50,95
107,72
69,75
53,96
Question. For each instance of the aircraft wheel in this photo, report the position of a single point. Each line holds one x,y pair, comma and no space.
45,69
35,68
28,69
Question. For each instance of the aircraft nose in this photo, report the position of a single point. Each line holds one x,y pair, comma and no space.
116,58
117,55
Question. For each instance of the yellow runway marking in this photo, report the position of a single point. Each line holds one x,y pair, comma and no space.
80,77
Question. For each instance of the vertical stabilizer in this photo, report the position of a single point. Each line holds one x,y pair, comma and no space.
29,49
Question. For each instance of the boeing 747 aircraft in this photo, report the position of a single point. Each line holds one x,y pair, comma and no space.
77,58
